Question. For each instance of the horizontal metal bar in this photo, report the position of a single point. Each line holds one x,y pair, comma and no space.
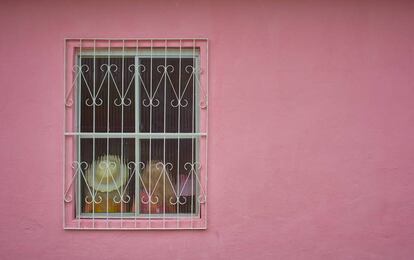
137,228
141,53
137,135
144,52
139,39
132,216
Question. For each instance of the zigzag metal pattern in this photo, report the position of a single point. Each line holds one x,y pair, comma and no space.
136,168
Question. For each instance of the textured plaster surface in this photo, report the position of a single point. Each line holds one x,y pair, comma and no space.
311,128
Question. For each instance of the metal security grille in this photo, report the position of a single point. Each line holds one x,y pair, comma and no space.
135,137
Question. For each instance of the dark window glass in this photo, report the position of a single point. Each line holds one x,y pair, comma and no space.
107,104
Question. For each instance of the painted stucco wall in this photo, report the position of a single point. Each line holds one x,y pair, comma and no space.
311,128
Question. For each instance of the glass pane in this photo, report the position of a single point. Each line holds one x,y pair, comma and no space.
166,103
113,107
108,184
176,85
167,174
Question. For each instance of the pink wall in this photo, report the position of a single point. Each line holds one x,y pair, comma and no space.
311,128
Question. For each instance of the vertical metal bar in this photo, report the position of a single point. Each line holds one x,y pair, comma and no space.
137,156
178,139
206,151
122,130
192,130
150,141
79,129
107,130
93,130
165,116
64,130
198,139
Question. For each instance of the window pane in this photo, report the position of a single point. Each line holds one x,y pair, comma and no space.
109,109
169,176
166,103
108,184
177,85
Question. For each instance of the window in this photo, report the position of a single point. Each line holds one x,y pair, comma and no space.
135,134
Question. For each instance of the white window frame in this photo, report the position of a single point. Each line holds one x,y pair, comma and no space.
138,135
